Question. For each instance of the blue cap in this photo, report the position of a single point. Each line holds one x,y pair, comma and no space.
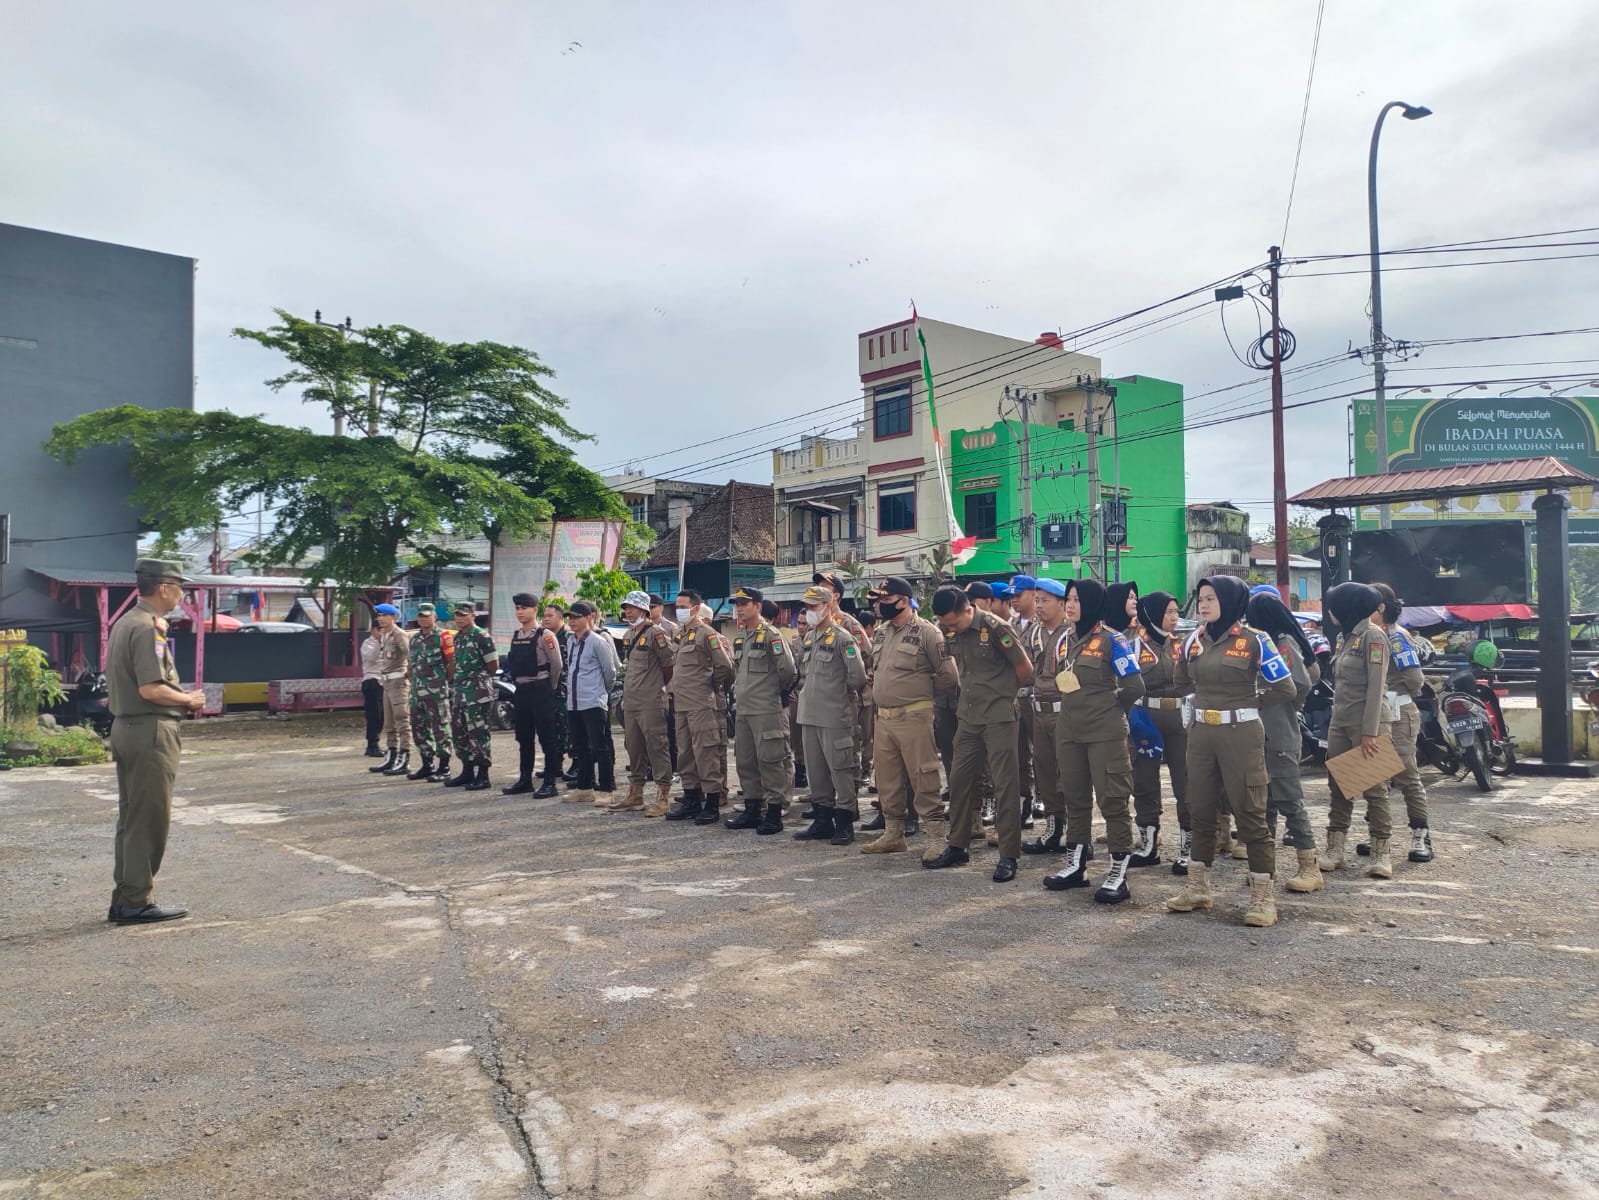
1022,583
1265,589
999,591
387,610
1051,587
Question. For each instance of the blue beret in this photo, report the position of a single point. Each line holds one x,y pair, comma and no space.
1265,589
386,609
1022,583
999,591
1052,587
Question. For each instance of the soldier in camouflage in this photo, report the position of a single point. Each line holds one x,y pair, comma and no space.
471,694
431,650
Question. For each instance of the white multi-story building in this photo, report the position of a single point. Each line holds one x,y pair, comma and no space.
820,490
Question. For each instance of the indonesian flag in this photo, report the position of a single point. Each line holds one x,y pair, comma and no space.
961,547
258,606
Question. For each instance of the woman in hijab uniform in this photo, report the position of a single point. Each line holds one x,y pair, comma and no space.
1165,673
1236,670
1360,682
1270,615
1099,681
1121,614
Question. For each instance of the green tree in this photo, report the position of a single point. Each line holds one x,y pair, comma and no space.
604,587
637,542
1585,579
463,436
1303,536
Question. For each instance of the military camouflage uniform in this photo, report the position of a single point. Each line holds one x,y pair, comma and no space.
430,692
471,694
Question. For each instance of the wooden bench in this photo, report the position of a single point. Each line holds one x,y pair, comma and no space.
303,695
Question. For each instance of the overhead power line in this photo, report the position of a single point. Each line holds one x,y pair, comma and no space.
1304,114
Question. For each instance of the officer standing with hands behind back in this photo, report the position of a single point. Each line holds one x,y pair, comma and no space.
147,702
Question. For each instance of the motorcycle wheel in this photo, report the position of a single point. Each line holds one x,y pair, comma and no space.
502,715
1479,771
1504,763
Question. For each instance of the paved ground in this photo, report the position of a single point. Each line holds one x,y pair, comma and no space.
393,990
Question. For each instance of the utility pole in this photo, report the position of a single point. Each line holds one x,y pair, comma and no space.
344,332
1279,479
1028,559
1096,523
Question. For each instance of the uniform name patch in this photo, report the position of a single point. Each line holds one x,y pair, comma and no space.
1375,653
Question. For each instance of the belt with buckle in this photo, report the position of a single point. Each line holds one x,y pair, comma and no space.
1046,706
1226,716
1161,701
903,709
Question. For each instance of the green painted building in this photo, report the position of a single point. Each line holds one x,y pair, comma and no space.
1138,436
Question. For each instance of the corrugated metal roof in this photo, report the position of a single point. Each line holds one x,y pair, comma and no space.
1437,483
81,577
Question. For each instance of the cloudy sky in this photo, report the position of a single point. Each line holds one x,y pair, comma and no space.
690,209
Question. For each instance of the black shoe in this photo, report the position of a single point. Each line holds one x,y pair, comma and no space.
1027,812
772,823
1148,852
1420,845
382,767
1363,849
468,773
800,779
1113,889
810,813
401,765
1004,870
953,856
373,750
480,782
843,828
441,769
571,776
423,770
875,824
820,828
1050,842
1074,874
685,808
1288,838
546,790
710,812
913,824
750,818
521,787
123,914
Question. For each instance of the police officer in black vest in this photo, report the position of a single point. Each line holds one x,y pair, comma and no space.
534,665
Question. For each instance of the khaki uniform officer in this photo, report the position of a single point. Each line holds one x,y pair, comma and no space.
1360,679
649,652
702,671
763,673
831,668
1043,639
1406,681
147,703
992,666
393,661
1099,681
912,669
1165,672
859,703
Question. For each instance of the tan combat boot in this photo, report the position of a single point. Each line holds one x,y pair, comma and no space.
1382,866
1309,878
629,803
1333,859
890,841
937,839
662,801
1239,850
1195,894
1262,910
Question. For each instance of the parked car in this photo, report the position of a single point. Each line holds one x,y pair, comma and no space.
274,627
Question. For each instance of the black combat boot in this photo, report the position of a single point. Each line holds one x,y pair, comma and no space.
1049,843
424,769
523,785
546,790
1113,889
691,802
843,828
773,821
799,776
468,773
1147,853
875,825
750,818
383,767
820,828
711,812
1074,874
441,769
480,781
401,765
373,750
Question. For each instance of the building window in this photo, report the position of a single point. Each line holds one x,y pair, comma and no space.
880,345
639,509
871,349
896,508
981,520
891,411
893,342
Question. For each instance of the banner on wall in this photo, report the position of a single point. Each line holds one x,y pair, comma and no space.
558,551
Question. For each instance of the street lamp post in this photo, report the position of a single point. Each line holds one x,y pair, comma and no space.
1411,112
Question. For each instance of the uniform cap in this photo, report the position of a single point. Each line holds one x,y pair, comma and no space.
426,609
831,580
525,600
895,586
979,591
1051,587
163,569
638,600
1022,583
769,609
387,610
1264,589
750,595
1000,591
581,609
655,600
817,594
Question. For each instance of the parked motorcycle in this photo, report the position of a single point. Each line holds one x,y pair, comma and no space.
1315,718
1474,724
1433,747
502,712
88,703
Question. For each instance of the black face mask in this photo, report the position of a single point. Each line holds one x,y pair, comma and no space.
889,611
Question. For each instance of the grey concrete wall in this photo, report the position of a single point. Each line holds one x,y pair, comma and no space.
84,325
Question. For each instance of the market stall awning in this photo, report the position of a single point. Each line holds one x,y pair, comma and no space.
1437,483
32,610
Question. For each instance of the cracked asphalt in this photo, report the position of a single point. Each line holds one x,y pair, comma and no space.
394,990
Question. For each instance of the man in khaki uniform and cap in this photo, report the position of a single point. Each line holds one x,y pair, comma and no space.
147,702
912,669
702,671
831,668
648,652
393,663
763,673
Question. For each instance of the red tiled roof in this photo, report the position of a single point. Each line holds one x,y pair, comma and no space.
747,507
1437,483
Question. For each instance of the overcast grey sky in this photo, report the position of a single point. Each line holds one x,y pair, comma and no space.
691,214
